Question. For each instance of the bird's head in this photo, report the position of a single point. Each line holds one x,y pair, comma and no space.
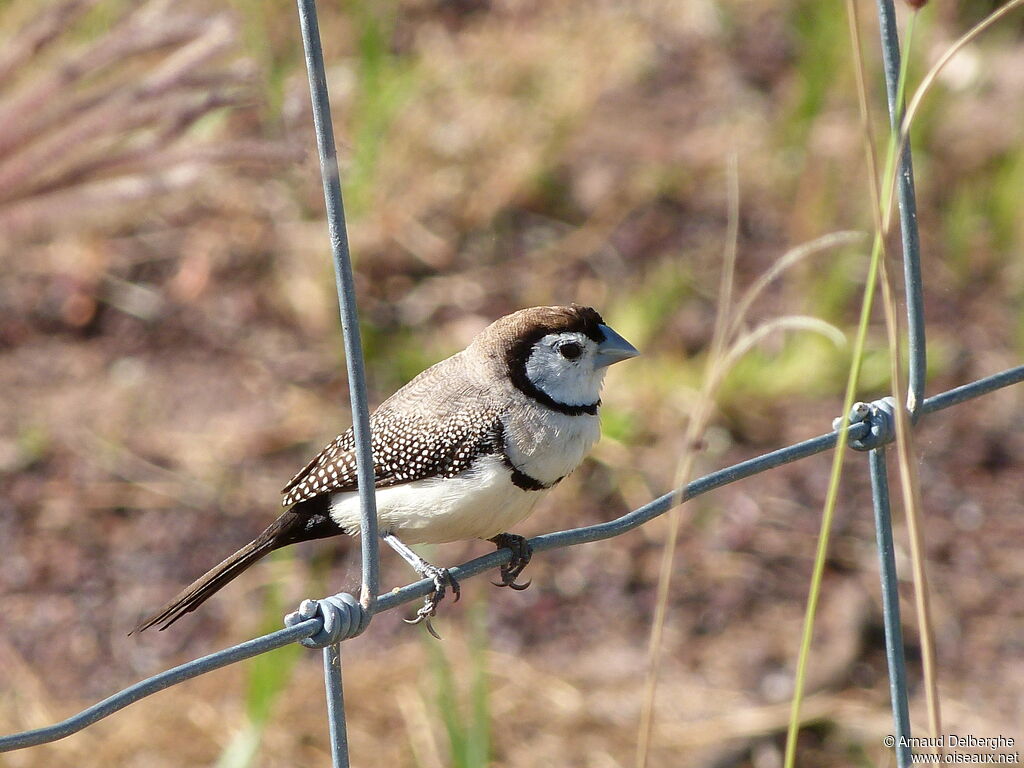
557,355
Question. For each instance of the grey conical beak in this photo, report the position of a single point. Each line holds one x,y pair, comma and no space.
613,349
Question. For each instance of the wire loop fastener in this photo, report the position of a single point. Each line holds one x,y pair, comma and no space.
879,415
341,617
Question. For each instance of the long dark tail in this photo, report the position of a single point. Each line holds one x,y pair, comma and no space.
303,522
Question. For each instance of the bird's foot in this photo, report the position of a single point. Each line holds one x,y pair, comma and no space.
522,552
443,581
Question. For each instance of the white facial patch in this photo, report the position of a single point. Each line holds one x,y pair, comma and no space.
561,365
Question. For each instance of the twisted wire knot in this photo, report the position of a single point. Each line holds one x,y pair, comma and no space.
880,416
341,617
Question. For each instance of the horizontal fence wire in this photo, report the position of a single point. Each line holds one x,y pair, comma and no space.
156,683
597,532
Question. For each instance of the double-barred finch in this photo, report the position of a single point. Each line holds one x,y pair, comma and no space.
462,451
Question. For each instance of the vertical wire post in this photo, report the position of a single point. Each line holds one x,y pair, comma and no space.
907,200
346,295
345,284
916,368
890,607
336,706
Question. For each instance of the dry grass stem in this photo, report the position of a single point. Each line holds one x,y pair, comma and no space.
928,81
98,128
699,417
728,345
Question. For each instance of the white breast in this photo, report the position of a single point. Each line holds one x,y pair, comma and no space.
478,504
548,445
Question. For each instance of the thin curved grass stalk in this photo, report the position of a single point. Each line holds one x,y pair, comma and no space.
929,80
910,488
786,323
894,150
727,348
883,209
695,428
835,475
720,334
831,498
790,258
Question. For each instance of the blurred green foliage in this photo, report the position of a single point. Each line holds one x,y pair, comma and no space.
466,714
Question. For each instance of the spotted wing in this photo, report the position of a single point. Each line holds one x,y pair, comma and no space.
427,429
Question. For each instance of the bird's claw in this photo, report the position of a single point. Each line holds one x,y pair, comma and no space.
423,617
522,552
443,580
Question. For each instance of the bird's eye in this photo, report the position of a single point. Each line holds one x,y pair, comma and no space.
571,350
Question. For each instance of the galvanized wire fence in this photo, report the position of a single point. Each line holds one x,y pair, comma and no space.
327,622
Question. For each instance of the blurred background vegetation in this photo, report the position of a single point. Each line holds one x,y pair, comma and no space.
170,354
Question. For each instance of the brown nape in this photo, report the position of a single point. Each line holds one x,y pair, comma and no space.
303,522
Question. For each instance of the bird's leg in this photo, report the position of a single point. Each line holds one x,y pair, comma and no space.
440,576
521,554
